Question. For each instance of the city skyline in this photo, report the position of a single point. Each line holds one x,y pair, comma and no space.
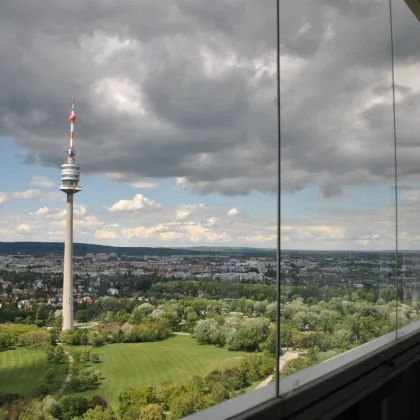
177,170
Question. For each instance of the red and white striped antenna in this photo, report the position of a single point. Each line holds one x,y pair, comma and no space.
72,118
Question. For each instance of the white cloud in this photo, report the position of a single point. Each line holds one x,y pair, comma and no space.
23,228
28,194
141,184
42,211
38,194
233,212
187,210
105,234
3,198
259,238
178,231
139,203
41,181
213,221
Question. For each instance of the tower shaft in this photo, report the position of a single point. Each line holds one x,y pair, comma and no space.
70,176
68,267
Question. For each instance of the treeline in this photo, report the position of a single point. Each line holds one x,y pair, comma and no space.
22,335
117,333
326,329
246,335
48,408
215,289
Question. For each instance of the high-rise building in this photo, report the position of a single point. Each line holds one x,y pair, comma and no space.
70,176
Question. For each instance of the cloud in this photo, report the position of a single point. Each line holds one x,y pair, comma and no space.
41,181
28,194
176,232
38,194
3,198
187,210
233,212
141,184
105,234
23,228
139,203
201,107
130,178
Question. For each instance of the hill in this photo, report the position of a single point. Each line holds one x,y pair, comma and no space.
80,249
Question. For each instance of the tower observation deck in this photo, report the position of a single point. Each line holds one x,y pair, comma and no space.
70,170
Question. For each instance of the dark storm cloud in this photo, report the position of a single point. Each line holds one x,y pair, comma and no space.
215,129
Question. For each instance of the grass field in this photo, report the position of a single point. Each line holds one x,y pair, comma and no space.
139,365
22,368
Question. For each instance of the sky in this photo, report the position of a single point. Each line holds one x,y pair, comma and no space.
176,129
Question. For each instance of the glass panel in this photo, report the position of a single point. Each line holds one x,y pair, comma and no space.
405,28
338,283
168,296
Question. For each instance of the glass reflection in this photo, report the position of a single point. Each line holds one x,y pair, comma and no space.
405,27
338,230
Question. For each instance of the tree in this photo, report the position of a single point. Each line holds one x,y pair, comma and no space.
82,315
94,358
42,312
97,400
99,413
186,404
95,338
204,330
219,393
5,339
60,355
72,406
9,289
50,375
41,389
84,357
151,412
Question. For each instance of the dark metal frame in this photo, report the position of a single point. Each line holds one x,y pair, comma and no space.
331,395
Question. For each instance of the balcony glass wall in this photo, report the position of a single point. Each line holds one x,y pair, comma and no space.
406,28
338,213
179,143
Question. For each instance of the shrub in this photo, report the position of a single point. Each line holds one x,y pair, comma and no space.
37,338
41,389
94,358
72,406
97,400
50,375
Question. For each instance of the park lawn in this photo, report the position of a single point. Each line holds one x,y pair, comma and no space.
140,365
22,368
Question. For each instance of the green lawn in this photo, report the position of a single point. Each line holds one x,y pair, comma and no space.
22,368
139,365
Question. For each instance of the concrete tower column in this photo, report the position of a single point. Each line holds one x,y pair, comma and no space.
68,267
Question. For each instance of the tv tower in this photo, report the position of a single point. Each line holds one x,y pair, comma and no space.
70,176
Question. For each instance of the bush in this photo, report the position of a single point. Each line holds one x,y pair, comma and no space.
74,384
94,358
72,406
151,412
5,339
97,400
8,399
38,338
84,357
41,389
60,355
50,375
